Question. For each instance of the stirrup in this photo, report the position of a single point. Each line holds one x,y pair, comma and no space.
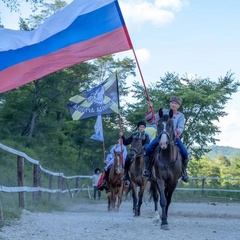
104,183
126,183
184,177
146,173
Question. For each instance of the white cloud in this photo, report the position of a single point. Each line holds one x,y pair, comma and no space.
175,5
138,12
230,125
143,55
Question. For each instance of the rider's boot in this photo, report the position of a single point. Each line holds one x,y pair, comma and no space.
126,178
104,182
146,172
184,171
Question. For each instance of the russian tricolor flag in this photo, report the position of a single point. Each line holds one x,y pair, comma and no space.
83,30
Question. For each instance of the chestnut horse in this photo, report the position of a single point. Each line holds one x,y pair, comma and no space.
167,166
135,172
115,184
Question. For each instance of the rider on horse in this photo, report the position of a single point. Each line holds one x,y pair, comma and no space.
179,122
127,141
110,159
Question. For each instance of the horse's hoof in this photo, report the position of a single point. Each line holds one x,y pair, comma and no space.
156,221
136,215
165,227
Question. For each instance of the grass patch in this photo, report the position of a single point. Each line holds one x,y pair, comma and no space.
205,196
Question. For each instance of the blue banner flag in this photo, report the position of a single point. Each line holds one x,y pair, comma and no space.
98,130
100,100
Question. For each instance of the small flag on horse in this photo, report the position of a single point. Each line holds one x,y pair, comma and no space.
100,100
98,130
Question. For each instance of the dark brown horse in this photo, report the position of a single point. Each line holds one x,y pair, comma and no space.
135,172
167,166
115,184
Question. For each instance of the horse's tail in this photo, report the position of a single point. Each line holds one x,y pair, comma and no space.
152,192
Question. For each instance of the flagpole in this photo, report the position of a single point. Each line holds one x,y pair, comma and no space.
144,85
104,155
103,144
134,53
119,115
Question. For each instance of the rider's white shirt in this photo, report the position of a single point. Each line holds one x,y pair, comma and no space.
110,156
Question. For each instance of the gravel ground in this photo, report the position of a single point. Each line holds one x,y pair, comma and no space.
91,221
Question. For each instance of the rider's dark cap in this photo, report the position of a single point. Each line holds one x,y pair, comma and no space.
176,99
96,170
141,123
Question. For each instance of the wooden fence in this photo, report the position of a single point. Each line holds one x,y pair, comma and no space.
62,185
36,188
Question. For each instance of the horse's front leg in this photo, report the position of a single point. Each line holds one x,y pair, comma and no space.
140,200
119,196
113,199
134,197
109,203
168,193
163,204
155,200
108,193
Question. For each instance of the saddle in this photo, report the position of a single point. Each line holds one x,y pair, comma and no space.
99,186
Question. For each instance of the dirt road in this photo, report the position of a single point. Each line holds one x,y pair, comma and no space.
198,221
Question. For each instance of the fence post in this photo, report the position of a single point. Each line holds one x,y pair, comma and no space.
35,182
203,185
1,211
77,184
63,184
50,184
20,173
39,182
59,186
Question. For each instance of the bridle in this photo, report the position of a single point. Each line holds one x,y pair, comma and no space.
118,159
136,148
166,136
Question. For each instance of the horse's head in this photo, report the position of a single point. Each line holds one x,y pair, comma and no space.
165,128
136,147
118,162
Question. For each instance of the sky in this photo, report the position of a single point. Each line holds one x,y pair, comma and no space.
188,37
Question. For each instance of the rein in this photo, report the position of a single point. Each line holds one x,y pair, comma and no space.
138,154
168,165
170,141
118,167
136,148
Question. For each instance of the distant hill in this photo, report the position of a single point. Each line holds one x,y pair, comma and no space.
226,151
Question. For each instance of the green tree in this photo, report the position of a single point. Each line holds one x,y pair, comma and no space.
44,7
37,116
14,5
203,105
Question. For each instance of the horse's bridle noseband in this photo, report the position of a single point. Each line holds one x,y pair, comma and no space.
169,140
137,152
118,167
